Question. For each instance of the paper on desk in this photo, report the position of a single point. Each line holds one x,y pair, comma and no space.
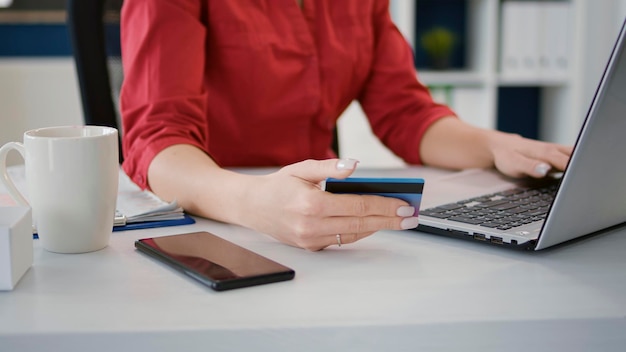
139,206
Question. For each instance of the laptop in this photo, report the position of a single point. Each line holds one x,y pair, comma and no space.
589,196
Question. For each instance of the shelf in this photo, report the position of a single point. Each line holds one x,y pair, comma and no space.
463,78
546,81
32,17
451,78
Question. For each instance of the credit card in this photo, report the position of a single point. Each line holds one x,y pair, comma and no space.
407,189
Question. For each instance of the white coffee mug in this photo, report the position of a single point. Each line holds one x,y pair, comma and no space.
72,175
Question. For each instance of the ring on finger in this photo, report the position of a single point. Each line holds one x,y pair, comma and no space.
338,236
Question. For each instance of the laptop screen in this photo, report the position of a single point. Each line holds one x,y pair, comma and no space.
592,195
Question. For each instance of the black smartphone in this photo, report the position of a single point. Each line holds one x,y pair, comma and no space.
214,261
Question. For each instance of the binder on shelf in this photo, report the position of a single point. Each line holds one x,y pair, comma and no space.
519,56
509,58
535,39
556,43
529,46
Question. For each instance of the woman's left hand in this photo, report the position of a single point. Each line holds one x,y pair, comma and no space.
516,156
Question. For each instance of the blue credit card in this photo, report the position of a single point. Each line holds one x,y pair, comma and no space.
407,189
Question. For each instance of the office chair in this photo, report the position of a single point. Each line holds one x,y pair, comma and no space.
86,25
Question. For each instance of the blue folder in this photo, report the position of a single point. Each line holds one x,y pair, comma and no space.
151,224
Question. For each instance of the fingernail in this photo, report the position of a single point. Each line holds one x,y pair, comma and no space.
346,164
405,211
409,223
542,169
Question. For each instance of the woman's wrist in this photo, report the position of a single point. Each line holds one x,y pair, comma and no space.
495,141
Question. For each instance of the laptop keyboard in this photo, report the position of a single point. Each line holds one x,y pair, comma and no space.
503,210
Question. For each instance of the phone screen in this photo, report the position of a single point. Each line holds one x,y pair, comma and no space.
214,261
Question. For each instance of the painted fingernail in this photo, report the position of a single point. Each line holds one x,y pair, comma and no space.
542,169
346,164
405,211
409,223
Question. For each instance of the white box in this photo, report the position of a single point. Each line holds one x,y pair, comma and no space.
16,245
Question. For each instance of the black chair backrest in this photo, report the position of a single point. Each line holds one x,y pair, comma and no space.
86,25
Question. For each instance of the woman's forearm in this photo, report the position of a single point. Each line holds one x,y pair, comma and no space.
452,143
188,175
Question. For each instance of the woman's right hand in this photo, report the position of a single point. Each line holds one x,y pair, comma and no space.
291,206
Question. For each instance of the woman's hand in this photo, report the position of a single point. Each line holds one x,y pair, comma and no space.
516,156
291,206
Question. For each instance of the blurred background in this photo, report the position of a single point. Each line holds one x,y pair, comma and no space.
524,66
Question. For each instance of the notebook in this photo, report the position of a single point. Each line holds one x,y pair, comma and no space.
589,196
140,209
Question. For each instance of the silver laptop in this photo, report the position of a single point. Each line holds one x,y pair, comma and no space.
589,196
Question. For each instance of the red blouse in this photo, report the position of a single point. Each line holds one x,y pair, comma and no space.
262,82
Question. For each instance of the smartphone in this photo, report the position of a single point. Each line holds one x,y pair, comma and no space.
214,261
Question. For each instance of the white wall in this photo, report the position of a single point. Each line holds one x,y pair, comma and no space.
36,93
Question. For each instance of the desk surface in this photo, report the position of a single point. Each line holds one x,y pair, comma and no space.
394,291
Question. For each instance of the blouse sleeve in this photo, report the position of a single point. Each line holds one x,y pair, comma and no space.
398,106
162,99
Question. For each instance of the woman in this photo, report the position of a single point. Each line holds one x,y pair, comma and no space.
211,84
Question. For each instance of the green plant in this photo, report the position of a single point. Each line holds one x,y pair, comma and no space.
439,43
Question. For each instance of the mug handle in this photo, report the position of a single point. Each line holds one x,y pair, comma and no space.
6,180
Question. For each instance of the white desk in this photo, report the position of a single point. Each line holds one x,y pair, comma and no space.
394,291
